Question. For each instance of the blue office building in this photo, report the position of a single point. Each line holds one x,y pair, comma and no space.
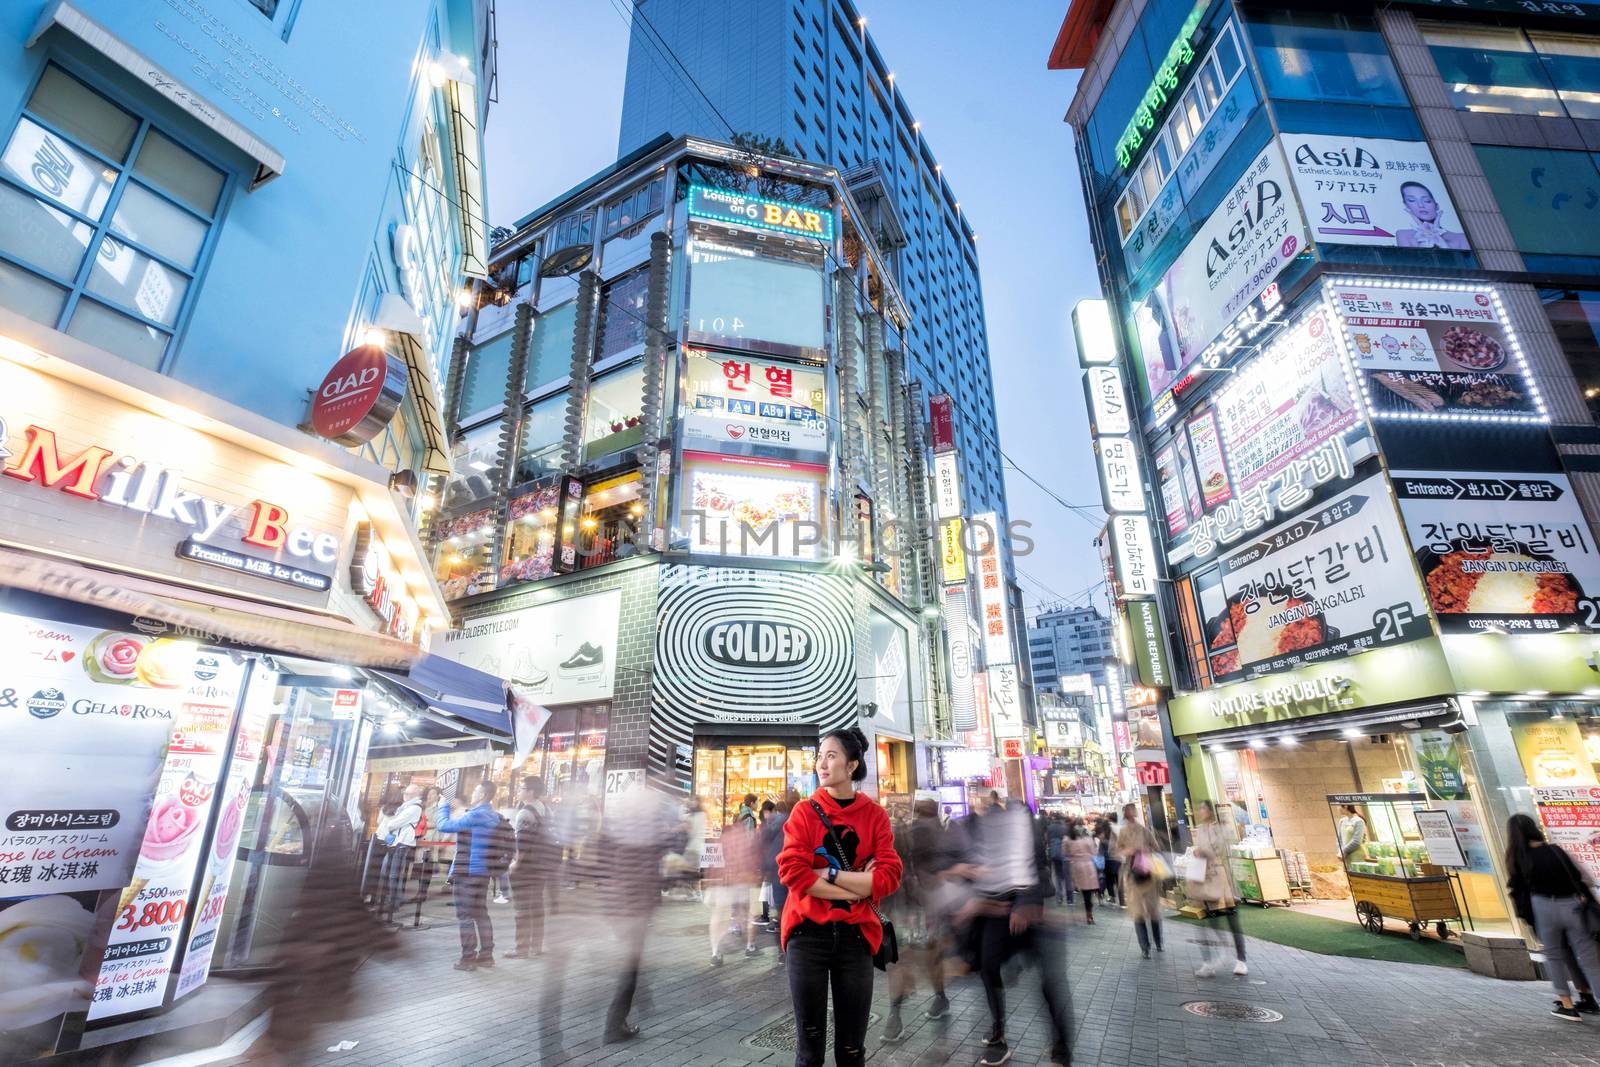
808,73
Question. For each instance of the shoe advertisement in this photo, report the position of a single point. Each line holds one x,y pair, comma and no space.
558,653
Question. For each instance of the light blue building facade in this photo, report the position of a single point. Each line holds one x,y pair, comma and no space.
265,186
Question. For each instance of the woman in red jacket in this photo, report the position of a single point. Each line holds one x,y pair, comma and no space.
830,922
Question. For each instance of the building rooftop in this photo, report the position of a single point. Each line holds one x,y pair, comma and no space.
1079,33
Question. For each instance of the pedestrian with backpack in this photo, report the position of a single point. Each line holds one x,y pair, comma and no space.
481,844
530,868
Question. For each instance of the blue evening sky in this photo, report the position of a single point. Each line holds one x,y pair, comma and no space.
974,74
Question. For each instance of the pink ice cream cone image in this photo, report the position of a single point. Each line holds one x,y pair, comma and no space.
228,825
170,831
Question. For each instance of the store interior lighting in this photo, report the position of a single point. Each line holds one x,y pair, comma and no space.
1351,732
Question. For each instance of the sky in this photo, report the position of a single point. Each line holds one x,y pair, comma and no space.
995,126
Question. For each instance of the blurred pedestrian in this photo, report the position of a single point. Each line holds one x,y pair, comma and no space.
1111,866
1136,851
470,873
1551,895
771,843
1055,849
838,860
729,893
1010,871
1081,850
747,812
530,868
398,831
1215,893
635,840
924,860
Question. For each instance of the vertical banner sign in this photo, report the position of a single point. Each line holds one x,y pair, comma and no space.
1121,485
1149,651
218,861
958,634
1135,555
1108,402
992,592
952,559
150,915
941,413
1005,700
946,486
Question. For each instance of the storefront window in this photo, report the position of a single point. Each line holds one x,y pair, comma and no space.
1322,57
751,292
550,351
614,421
778,771
1550,199
463,564
611,516
622,315
531,535
542,431
1575,317
483,380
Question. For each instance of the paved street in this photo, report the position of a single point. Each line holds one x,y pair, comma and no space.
412,1008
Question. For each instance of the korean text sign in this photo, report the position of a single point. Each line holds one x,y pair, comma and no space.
992,599
1508,551
733,401
1332,582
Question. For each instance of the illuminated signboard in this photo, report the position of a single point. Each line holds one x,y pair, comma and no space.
731,402
995,617
953,559
946,486
1165,84
1120,485
942,418
958,634
1149,649
1135,555
1091,329
722,205
1435,350
1373,191
1005,701
1108,401
739,506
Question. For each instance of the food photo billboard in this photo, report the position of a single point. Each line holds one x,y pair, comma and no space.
1511,552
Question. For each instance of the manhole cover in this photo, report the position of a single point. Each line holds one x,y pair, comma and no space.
779,1034
1232,1011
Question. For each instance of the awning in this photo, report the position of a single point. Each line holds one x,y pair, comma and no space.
1433,715
270,627
408,332
454,691
269,161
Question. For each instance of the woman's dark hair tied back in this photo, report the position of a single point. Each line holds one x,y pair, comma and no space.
854,743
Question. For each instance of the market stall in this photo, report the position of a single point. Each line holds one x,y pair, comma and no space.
1389,863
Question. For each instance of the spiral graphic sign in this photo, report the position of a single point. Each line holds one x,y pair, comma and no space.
756,646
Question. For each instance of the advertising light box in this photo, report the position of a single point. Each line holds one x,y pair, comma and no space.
1334,582
1120,485
1435,351
734,401
1134,553
1507,551
946,486
1372,191
1107,400
736,506
1286,401
1254,233
996,619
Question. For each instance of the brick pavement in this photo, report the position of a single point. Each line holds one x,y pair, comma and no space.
412,1008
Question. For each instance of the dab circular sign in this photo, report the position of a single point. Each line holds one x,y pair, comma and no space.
359,396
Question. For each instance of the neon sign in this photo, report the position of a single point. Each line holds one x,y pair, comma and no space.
1162,88
721,205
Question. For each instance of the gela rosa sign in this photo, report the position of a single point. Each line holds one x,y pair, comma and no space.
98,474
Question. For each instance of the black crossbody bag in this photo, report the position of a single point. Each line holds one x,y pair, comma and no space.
889,949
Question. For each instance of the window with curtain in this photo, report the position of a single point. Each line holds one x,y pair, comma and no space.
1324,56
104,220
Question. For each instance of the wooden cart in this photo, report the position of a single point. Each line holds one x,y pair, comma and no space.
1415,901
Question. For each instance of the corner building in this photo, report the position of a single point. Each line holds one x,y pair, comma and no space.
1349,256
689,485
213,598
808,72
